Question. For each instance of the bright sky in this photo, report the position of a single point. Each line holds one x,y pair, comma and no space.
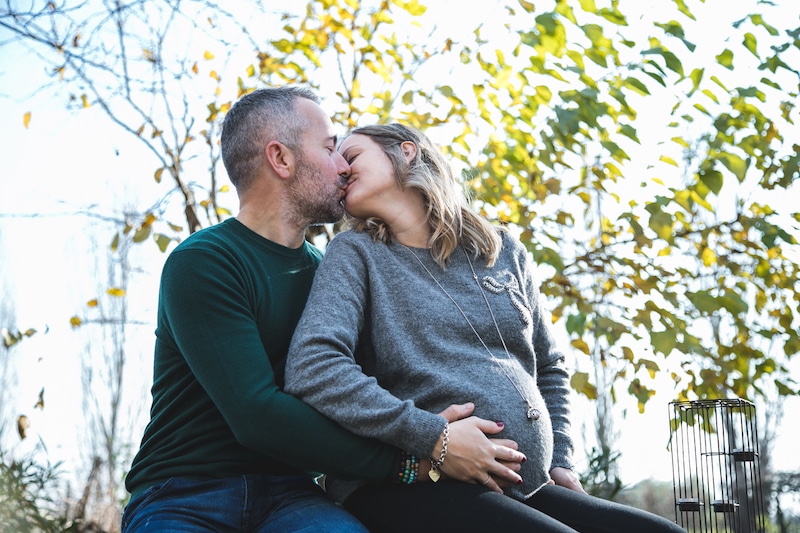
65,163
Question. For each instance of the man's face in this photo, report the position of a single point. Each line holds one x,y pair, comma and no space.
317,188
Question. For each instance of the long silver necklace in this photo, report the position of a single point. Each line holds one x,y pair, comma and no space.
532,413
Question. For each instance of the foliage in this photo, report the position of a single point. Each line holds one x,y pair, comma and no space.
629,152
684,260
25,501
635,161
675,269
600,479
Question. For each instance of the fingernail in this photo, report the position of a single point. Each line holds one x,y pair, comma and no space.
519,482
500,425
524,458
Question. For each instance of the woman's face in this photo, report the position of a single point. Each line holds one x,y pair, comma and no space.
372,186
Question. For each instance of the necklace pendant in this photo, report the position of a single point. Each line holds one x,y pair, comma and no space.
533,413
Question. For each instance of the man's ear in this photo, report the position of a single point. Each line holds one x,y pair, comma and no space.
279,158
409,150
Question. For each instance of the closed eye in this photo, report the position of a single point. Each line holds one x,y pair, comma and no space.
349,156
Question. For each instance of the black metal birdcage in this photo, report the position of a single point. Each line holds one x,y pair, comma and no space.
715,466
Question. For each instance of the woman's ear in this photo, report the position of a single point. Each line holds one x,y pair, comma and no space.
279,158
409,150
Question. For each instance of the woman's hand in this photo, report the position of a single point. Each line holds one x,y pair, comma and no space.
566,478
472,456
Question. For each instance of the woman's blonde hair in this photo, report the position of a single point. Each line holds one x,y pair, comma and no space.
451,219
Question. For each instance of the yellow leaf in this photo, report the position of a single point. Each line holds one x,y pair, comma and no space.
251,71
85,101
26,119
40,401
116,292
208,55
213,74
23,423
141,234
709,257
92,303
75,322
195,69
581,345
158,174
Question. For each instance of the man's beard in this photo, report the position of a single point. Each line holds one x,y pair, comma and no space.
313,200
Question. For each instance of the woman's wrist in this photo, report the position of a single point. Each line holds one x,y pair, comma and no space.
436,462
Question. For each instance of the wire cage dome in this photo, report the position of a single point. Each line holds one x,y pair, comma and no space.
715,466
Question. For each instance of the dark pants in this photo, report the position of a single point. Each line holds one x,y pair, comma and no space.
461,507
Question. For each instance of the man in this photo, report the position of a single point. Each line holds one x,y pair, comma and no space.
225,448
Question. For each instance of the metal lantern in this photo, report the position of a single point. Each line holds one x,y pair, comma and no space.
715,466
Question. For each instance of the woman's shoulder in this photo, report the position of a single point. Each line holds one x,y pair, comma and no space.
511,244
351,238
350,242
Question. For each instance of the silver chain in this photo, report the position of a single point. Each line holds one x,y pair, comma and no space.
532,413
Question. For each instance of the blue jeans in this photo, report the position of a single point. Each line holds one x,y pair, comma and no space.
253,503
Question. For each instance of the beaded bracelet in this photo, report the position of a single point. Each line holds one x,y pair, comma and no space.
409,468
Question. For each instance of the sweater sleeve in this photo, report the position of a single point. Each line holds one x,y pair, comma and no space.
209,318
552,377
322,368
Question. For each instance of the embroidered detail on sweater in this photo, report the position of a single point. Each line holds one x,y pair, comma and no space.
510,287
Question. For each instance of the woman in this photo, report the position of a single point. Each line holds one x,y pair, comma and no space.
424,304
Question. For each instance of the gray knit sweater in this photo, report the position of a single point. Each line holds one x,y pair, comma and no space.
381,348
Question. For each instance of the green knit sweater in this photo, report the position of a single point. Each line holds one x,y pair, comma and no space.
228,305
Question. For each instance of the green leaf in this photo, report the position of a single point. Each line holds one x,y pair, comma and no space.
629,132
704,302
663,341
636,85
162,241
712,179
758,20
726,59
734,303
735,164
683,9
661,223
750,43
696,77
615,151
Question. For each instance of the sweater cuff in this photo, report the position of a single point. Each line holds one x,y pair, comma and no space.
562,452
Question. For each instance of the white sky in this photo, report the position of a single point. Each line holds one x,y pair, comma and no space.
65,163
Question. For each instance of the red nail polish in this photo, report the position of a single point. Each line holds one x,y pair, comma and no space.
524,459
519,482
500,425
